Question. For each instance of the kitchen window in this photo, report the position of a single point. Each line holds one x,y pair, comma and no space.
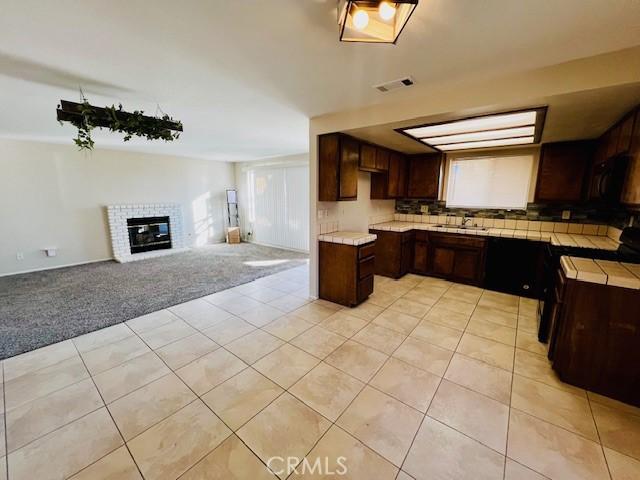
489,181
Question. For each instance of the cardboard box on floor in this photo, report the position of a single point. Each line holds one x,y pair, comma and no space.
233,235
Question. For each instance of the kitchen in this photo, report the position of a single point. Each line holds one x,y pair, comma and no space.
554,223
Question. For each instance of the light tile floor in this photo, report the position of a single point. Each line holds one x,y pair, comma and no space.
427,379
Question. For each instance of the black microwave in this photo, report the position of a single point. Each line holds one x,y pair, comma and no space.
607,180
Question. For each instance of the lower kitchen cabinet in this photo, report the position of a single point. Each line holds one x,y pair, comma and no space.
346,272
456,257
394,253
515,266
595,337
421,252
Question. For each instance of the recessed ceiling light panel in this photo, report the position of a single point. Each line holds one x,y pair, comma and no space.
373,21
486,144
513,128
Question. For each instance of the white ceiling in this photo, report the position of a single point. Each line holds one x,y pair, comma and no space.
245,76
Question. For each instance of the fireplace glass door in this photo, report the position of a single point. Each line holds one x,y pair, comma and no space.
149,233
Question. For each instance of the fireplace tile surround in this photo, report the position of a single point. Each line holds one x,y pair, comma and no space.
118,216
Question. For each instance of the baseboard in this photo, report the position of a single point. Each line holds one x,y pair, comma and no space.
57,266
277,246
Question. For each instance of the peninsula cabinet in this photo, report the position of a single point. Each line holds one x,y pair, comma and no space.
458,258
424,176
346,272
563,171
338,159
394,253
595,337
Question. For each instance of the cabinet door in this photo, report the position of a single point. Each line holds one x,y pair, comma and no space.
367,157
613,136
349,155
328,167
442,261
562,171
396,187
467,266
407,253
382,159
626,132
631,190
424,176
420,257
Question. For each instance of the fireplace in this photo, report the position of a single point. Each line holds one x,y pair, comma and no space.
149,233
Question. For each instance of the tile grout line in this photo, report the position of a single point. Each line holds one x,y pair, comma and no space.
124,442
415,435
593,417
513,373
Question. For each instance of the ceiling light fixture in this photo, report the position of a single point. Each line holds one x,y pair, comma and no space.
373,21
495,130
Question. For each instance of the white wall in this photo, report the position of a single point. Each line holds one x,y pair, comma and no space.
274,201
54,196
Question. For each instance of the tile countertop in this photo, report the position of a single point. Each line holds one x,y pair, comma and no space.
605,272
560,239
348,238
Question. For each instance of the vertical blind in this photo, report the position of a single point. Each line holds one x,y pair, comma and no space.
489,182
278,210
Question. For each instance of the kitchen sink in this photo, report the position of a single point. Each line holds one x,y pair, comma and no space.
462,227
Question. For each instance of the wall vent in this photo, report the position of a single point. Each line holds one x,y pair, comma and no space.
394,84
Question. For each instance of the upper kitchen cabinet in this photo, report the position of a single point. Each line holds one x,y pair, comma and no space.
393,183
397,176
562,171
424,176
373,158
338,159
631,190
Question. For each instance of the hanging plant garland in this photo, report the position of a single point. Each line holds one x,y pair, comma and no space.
85,117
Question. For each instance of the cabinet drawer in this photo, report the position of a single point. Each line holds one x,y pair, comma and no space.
365,288
366,267
367,250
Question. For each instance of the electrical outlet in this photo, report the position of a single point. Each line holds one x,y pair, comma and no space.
566,214
20,256
424,208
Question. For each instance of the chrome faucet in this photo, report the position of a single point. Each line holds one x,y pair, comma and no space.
465,220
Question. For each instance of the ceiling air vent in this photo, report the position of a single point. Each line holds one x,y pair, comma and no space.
394,84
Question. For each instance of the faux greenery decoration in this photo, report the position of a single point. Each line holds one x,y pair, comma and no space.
85,117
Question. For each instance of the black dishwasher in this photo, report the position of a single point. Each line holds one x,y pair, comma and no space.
515,266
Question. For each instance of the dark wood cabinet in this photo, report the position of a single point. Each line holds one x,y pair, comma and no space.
458,258
563,171
631,190
373,158
626,134
346,272
420,252
424,176
393,183
382,159
367,157
594,343
394,253
338,159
